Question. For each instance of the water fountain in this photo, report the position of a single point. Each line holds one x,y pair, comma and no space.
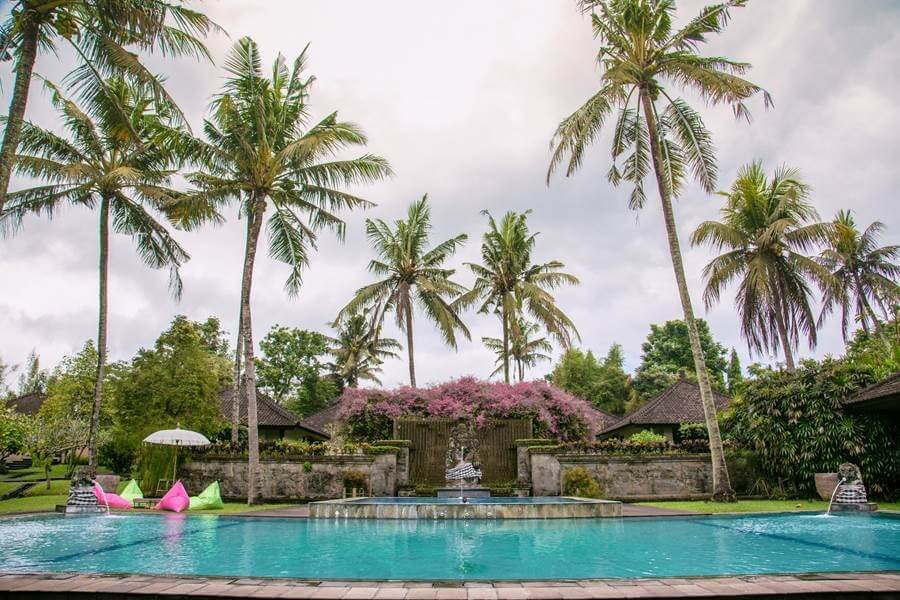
81,498
850,493
463,476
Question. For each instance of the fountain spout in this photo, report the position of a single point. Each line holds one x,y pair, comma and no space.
102,493
833,494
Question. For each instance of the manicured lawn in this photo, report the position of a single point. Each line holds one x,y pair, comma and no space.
6,487
31,504
58,487
742,506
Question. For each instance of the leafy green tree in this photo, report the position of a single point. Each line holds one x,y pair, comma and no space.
100,166
411,276
261,152
33,379
70,389
12,434
45,439
525,349
213,336
863,274
603,383
102,33
667,351
291,369
640,54
509,285
767,227
174,383
359,350
5,371
735,373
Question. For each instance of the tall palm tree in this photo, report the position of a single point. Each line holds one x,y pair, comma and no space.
640,53
359,350
508,284
411,276
100,33
766,227
261,152
100,165
863,273
525,350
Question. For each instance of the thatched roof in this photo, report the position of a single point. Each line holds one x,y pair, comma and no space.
884,395
27,404
268,413
679,403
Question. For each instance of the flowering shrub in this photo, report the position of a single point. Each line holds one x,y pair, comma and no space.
290,449
618,447
555,413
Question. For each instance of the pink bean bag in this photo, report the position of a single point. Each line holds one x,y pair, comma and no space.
176,499
111,500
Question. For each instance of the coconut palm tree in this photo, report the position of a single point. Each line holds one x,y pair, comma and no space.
100,166
509,285
261,152
863,274
766,227
100,32
525,350
639,55
411,276
359,350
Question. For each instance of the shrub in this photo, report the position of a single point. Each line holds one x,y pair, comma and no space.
119,457
617,447
578,482
307,467
555,414
797,425
647,437
691,431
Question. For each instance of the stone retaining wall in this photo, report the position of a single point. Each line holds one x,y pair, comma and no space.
633,478
294,479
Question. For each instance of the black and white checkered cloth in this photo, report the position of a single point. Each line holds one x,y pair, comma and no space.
81,496
463,471
851,494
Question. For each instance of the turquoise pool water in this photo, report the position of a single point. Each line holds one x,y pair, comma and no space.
492,549
472,500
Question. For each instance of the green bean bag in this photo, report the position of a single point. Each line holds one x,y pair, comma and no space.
132,491
208,499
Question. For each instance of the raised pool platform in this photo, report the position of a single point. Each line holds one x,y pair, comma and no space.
536,507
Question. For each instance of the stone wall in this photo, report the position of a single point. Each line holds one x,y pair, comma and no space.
295,479
680,477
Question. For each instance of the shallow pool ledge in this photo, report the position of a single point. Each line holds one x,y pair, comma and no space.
365,508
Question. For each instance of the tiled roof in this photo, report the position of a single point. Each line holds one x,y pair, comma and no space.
27,404
268,413
679,403
604,419
322,419
881,390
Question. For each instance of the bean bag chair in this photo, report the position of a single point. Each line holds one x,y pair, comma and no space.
110,500
208,499
175,500
132,491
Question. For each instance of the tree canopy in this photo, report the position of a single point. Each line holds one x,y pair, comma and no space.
604,383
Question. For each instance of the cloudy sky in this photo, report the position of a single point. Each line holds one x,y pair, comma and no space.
462,98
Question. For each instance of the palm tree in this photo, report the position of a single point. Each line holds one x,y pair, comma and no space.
863,273
359,350
100,165
641,52
508,284
411,276
524,349
99,32
261,152
766,227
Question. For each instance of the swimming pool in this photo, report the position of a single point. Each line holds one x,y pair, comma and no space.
450,550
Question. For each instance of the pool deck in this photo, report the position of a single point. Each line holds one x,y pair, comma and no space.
145,587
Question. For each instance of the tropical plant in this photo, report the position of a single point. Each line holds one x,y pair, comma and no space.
103,166
261,151
509,285
766,228
578,482
12,434
412,276
359,350
640,52
525,349
604,383
862,273
647,436
100,33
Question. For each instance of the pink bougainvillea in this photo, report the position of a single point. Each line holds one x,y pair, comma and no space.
555,413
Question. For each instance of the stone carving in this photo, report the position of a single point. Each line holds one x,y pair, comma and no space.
463,464
851,489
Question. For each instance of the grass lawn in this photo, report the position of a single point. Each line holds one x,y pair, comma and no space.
58,487
7,486
47,503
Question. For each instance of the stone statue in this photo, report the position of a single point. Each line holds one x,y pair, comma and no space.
463,464
851,489
81,492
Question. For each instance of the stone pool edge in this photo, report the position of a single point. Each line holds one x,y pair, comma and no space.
885,584
575,508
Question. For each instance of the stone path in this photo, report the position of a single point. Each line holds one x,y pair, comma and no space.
146,587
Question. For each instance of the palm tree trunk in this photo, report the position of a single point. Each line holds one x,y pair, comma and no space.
255,215
101,336
236,397
13,133
409,344
785,341
721,484
505,343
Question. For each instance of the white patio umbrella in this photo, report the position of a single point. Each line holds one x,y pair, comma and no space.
176,437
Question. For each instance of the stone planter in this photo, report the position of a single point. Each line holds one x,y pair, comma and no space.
825,484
